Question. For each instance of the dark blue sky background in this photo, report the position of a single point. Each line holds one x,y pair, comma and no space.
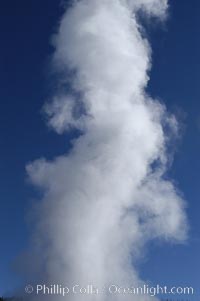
26,82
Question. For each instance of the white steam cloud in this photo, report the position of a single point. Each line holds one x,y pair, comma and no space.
106,198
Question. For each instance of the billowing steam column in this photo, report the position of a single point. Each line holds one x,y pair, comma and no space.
107,197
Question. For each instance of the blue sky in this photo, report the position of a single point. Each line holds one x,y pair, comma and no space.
26,81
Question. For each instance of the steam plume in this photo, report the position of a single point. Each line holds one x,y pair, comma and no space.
105,199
